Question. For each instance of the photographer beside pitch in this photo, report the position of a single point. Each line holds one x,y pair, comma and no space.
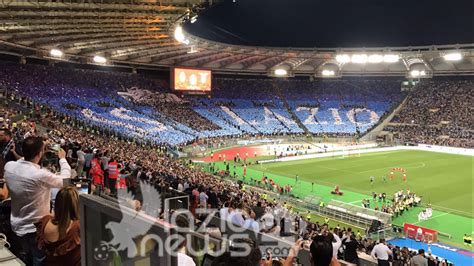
30,189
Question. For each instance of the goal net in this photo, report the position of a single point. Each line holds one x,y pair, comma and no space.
350,151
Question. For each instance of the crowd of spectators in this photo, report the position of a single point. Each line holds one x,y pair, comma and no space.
84,153
143,107
147,163
184,114
240,206
170,105
321,107
437,112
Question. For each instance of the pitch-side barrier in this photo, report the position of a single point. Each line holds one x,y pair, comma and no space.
420,147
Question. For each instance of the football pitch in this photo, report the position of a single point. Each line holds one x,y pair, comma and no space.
444,180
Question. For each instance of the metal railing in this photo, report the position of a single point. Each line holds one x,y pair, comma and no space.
361,212
312,203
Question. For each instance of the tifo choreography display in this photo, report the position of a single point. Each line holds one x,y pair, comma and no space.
236,133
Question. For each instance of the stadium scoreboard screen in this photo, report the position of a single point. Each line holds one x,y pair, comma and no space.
191,80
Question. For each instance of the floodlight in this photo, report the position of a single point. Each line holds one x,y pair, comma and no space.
453,56
328,73
391,58
280,72
178,34
343,58
56,53
359,58
99,59
415,73
375,58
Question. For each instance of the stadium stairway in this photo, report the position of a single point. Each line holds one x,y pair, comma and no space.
248,123
372,134
173,125
227,120
290,111
279,120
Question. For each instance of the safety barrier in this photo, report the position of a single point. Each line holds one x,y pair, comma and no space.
421,147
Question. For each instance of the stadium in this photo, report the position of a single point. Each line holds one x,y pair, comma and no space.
236,132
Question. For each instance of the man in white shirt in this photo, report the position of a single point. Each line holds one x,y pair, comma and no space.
236,217
81,160
180,187
336,244
381,253
251,224
203,197
30,190
185,260
225,211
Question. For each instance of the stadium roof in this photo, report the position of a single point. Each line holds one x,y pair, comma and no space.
140,33
116,29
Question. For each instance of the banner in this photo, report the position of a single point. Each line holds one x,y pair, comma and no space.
420,233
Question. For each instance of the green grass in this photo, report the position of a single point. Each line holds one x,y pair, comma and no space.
444,180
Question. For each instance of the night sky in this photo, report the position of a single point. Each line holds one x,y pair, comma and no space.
337,23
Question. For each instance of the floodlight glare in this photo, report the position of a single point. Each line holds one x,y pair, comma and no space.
343,58
179,35
56,53
328,73
280,72
453,57
391,58
99,59
415,73
359,58
375,58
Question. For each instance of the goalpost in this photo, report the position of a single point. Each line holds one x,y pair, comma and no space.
350,150
345,152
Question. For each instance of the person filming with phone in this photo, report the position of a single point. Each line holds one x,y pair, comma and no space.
30,190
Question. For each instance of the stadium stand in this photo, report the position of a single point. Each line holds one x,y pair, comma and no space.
142,163
56,100
237,106
240,133
437,112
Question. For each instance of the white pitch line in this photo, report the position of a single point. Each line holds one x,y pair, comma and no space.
450,209
436,216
